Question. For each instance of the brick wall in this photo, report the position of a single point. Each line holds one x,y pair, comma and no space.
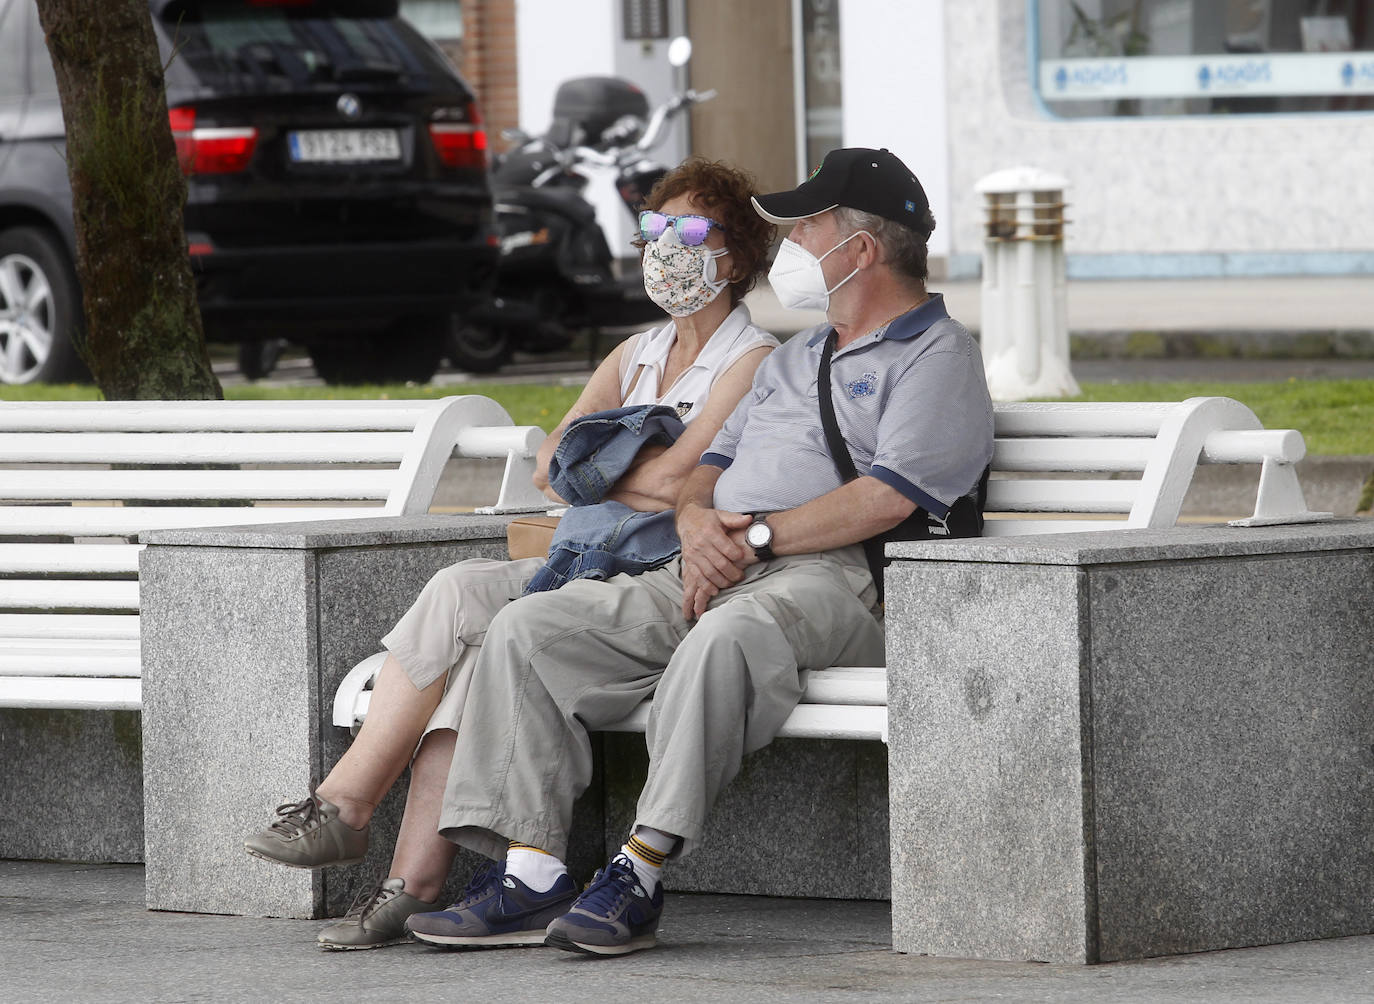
486,58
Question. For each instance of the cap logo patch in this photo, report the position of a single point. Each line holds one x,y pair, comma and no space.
910,206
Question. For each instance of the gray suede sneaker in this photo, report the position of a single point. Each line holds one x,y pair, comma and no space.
376,919
309,834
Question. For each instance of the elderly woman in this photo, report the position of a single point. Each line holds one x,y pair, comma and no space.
700,239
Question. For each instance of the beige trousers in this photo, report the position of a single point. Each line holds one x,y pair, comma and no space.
558,665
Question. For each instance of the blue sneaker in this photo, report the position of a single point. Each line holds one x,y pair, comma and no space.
613,916
495,910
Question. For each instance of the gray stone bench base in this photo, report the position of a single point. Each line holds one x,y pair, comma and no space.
1103,746
71,787
246,634
1133,743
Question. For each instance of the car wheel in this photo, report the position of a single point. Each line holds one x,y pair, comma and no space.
477,348
40,310
407,352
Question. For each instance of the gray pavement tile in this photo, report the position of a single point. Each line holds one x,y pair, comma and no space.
77,933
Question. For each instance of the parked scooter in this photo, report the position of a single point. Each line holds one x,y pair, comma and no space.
556,277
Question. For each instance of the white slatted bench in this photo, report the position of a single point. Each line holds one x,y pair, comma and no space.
80,480
1057,467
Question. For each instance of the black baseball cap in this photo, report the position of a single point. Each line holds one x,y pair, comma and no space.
872,181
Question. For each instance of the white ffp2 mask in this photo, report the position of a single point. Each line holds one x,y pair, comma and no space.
797,278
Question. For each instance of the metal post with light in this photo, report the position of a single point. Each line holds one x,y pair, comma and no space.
1025,338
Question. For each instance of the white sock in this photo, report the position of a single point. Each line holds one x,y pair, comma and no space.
647,848
537,869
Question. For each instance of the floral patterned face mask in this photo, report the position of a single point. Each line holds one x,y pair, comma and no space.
681,279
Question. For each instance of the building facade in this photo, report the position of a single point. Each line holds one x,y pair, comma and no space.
1199,137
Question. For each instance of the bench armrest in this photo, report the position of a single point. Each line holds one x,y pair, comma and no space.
1279,499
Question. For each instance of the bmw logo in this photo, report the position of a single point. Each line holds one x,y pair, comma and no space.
349,106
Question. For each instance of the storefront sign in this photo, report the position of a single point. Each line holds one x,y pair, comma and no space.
1285,74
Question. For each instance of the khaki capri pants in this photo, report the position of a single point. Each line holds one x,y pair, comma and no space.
444,628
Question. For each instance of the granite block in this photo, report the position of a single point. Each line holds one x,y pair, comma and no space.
1178,543
72,785
1233,777
796,809
341,533
245,638
231,707
874,845
985,762
1100,756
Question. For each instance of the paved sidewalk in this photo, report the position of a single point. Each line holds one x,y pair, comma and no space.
1235,308
80,933
1281,304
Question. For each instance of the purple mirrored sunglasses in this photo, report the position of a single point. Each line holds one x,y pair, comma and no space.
691,229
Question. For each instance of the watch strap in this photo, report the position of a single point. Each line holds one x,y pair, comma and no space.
764,552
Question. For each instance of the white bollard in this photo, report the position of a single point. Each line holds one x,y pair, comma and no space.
1025,337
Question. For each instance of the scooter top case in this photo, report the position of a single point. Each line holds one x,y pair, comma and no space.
593,105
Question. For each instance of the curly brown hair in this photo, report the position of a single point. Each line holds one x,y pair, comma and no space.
725,191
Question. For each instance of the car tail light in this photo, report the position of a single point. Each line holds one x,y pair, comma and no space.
460,143
210,150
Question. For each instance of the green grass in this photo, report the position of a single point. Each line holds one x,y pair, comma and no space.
1335,416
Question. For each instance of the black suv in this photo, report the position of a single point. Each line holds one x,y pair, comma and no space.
337,185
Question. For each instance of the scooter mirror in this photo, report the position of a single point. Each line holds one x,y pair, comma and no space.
680,50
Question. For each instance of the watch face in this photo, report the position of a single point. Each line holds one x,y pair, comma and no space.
758,534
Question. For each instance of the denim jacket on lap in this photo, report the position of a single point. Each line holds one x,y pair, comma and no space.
595,538
607,538
598,448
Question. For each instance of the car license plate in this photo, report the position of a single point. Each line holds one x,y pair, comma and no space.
344,146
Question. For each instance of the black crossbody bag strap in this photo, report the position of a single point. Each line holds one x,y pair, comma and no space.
839,453
965,518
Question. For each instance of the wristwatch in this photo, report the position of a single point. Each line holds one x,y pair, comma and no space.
759,536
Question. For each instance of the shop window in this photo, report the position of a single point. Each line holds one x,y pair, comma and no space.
823,129
1204,57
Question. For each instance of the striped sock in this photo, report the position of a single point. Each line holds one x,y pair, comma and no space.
536,868
647,849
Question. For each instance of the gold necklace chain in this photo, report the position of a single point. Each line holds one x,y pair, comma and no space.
899,313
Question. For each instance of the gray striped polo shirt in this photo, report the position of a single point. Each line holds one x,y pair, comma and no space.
911,401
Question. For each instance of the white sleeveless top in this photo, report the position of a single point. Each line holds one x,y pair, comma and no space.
736,335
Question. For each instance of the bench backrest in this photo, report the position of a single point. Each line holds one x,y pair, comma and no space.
1129,465
79,481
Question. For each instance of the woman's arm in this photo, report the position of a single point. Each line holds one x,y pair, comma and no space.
653,483
601,393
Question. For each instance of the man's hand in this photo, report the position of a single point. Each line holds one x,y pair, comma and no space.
712,559
696,592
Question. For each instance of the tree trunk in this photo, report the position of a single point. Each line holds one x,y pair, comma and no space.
144,339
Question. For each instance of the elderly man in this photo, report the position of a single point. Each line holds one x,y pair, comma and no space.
773,578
